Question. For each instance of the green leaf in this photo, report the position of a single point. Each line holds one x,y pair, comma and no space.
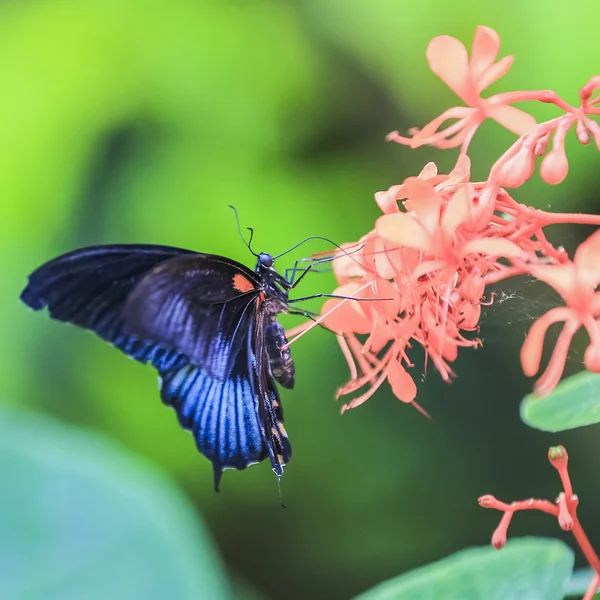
81,518
579,583
574,403
532,568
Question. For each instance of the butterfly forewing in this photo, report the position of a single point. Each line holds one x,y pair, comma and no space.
199,305
89,288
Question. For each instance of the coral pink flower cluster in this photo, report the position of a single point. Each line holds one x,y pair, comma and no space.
442,239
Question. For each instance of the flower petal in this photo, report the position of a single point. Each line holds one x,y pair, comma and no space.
531,351
563,278
344,317
460,174
386,269
456,211
556,365
428,171
401,228
429,134
449,60
426,267
494,73
347,264
486,46
387,201
512,118
380,289
587,261
493,247
425,203
402,383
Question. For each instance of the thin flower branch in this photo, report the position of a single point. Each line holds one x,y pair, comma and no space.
564,509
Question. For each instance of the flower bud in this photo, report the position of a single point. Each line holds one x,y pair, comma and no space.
518,169
565,520
558,457
499,538
472,289
555,166
486,501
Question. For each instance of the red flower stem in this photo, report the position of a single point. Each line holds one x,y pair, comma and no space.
565,509
546,218
594,585
563,473
547,96
585,544
536,504
529,504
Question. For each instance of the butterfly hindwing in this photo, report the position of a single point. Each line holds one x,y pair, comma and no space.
89,287
221,413
238,421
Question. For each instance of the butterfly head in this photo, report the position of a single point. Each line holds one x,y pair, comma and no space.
275,285
265,261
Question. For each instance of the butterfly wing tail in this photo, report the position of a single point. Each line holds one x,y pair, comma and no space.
220,414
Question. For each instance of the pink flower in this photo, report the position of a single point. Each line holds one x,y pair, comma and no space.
422,271
449,60
576,282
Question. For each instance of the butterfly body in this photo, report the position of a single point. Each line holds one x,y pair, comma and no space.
206,323
280,358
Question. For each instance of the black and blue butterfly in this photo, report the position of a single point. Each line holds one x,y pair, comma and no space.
206,323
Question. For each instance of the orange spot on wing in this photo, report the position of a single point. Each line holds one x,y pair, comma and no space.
242,284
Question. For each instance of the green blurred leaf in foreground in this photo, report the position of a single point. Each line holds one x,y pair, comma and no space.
580,582
80,518
531,568
574,403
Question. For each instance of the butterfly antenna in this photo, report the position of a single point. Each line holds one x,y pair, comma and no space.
310,237
249,243
237,221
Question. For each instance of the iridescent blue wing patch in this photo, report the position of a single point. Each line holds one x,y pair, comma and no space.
221,414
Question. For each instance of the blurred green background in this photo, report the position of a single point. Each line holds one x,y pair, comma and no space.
140,121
